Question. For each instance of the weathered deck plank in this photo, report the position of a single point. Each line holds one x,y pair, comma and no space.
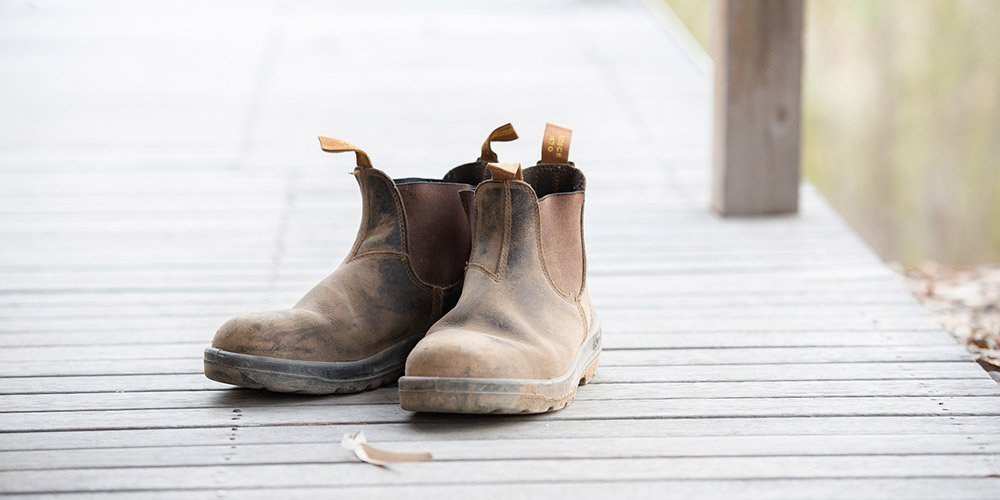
16,403
613,356
507,449
466,472
153,185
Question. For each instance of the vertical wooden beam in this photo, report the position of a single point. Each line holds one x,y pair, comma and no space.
758,68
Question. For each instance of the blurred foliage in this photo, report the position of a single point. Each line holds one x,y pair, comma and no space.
901,126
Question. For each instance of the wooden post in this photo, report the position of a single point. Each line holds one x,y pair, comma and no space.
758,67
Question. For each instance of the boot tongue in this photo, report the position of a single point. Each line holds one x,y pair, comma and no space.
555,144
505,171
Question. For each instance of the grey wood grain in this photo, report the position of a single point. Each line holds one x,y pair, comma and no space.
609,374
973,386
120,346
473,472
642,409
181,359
758,82
573,448
462,428
921,488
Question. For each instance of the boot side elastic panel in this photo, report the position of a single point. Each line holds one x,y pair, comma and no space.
561,191
437,229
561,221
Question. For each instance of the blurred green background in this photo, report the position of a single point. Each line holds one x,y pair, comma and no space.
901,125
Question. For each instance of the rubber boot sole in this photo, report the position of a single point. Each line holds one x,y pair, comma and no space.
308,377
501,396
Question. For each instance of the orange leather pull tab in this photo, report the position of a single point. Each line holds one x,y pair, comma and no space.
505,171
503,133
555,145
331,145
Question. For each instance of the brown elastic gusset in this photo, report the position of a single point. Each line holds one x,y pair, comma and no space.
560,218
503,133
555,144
437,229
331,145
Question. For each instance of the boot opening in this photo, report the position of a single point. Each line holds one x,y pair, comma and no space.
549,179
470,173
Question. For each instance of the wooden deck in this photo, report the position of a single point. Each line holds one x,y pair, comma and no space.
159,173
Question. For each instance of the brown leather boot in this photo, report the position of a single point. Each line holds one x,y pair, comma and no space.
353,330
523,335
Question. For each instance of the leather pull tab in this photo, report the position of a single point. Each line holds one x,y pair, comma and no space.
555,144
503,133
331,145
505,171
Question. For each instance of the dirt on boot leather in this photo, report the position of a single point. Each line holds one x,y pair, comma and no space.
354,329
523,335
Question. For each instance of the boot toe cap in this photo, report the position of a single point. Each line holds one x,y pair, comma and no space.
286,334
456,353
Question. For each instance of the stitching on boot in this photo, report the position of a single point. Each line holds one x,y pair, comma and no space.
400,214
480,267
365,217
437,302
406,265
583,319
583,251
508,221
494,274
375,253
477,228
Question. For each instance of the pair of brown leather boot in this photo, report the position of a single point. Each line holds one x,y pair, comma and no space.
473,286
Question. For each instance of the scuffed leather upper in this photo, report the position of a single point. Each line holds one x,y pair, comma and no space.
511,321
375,298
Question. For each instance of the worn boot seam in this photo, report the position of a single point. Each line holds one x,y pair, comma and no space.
508,221
437,303
496,272
583,252
365,217
400,214
480,267
406,265
583,319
